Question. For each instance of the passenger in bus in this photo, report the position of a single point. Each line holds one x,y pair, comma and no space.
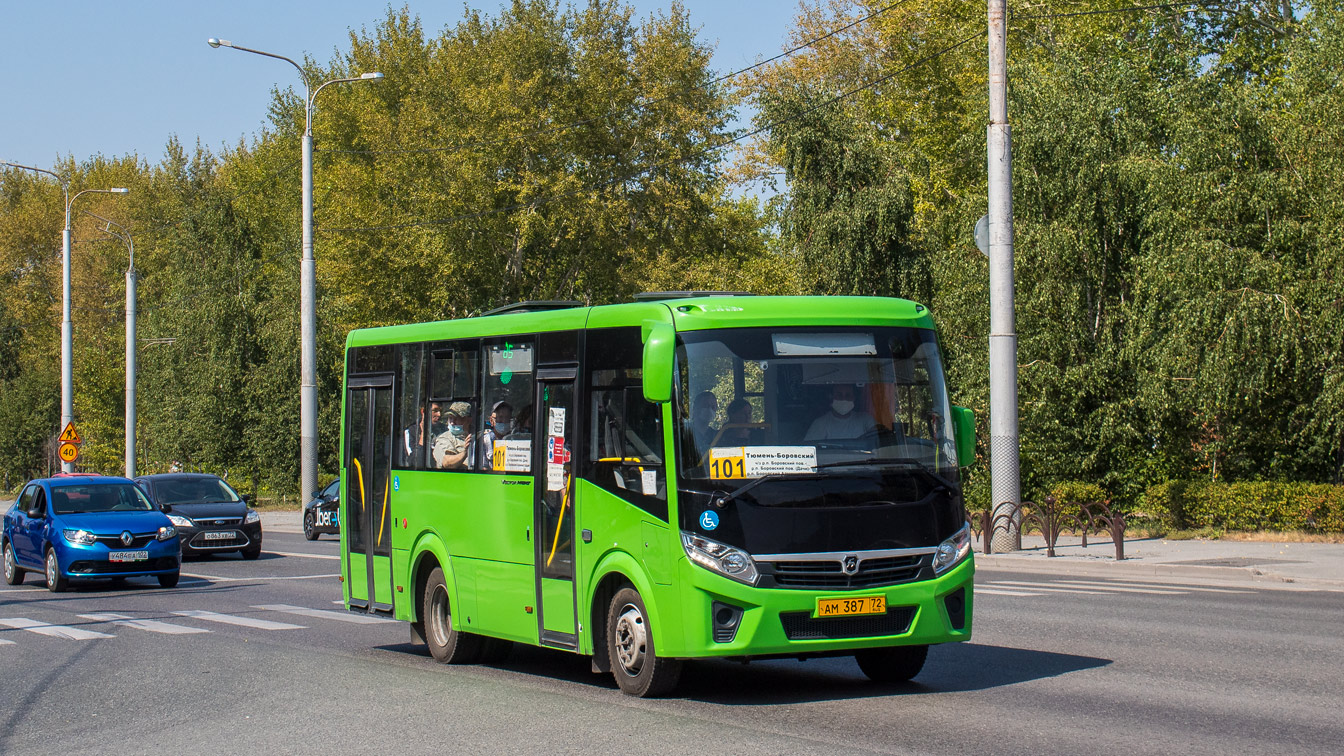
841,421
456,448
420,436
497,427
703,410
735,431
522,425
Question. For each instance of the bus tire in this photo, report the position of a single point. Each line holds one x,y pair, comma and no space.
447,644
638,669
892,664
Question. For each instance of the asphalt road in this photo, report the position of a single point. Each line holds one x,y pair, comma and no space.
1059,665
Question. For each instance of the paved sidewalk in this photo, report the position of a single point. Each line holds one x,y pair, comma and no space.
1316,565
282,522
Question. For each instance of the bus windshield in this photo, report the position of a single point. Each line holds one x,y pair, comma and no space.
763,401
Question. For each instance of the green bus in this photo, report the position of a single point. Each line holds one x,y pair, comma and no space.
688,475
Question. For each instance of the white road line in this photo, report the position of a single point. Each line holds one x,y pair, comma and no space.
302,554
358,619
339,601
1050,589
153,626
221,579
1092,586
996,592
4,642
229,619
1182,586
55,631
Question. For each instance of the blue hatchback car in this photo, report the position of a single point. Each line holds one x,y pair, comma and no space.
88,527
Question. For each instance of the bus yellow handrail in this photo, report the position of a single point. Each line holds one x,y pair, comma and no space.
559,521
382,519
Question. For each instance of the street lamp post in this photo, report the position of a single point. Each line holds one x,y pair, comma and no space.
125,235
67,346
307,278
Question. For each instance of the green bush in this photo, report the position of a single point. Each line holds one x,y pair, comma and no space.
1247,506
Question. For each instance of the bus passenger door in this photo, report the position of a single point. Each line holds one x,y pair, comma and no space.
555,423
366,522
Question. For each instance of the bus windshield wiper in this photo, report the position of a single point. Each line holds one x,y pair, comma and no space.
904,463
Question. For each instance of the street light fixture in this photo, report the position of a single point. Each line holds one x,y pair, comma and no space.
307,276
124,234
67,347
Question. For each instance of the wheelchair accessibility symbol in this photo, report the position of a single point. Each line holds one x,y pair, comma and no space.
709,520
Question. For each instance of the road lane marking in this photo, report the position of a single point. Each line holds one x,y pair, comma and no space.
1181,586
229,619
221,579
997,592
1050,589
358,619
304,554
54,631
4,642
153,626
1092,586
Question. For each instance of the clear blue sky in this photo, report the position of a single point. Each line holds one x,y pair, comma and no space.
82,78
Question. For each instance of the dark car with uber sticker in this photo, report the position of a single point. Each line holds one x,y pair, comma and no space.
322,513
211,517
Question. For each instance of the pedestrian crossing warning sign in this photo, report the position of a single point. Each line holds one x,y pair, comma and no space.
69,435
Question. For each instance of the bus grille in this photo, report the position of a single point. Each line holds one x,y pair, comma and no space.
803,626
828,575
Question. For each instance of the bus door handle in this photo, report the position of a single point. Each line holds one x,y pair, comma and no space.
587,535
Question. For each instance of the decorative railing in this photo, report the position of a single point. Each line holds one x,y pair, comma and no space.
1052,519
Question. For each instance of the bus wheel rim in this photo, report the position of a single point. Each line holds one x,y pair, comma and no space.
440,622
632,639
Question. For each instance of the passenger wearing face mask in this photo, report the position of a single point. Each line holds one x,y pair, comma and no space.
499,426
841,420
455,449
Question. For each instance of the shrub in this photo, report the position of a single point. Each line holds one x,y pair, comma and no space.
1313,507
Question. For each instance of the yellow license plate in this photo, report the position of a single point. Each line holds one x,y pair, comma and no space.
852,606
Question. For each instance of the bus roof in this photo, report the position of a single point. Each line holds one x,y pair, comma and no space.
685,313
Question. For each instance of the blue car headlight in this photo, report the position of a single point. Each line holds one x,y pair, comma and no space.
167,532
80,537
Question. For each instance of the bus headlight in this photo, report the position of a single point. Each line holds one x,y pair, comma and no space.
953,550
719,557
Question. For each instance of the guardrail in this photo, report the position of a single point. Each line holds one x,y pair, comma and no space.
1053,518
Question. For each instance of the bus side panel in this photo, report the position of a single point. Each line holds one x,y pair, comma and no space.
504,593
481,516
428,547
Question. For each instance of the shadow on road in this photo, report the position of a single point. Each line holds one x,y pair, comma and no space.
951,668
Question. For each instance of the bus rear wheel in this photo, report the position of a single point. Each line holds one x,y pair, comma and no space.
446,643
892,664
635,664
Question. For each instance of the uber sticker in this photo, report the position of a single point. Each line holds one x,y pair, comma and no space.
709,520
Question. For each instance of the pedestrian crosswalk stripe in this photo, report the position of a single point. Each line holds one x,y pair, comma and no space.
1063,585
358,619
229,619
998,592
54,631
1043,587
153,626
4,642
1180,586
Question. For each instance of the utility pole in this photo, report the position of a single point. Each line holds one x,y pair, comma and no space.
1003,439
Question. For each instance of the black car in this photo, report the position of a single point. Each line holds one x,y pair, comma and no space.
211,516
322,514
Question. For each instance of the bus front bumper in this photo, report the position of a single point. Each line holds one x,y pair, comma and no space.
722,617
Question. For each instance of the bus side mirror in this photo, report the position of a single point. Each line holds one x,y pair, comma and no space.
659,349
963,424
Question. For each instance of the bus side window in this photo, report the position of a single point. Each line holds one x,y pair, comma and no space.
414,426
506,400
454,376
625,433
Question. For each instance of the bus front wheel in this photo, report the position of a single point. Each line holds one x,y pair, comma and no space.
892,664
638,669
446,643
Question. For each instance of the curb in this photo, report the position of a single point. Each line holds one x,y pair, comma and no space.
1135,568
